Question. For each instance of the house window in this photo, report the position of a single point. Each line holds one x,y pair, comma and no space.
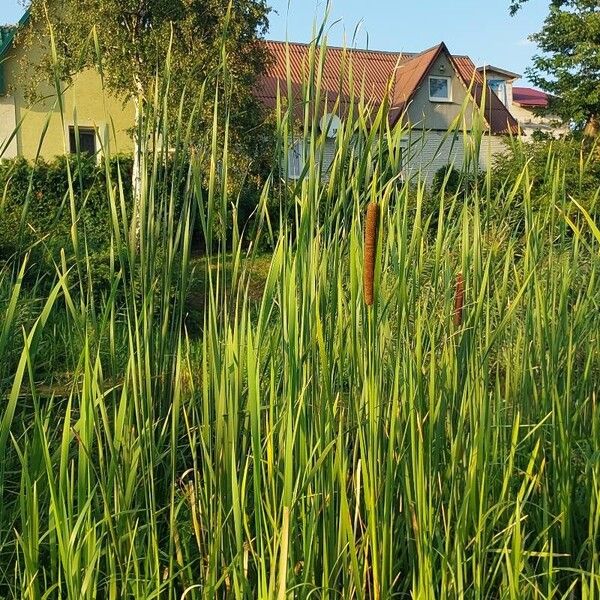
498,86
86,137
440,89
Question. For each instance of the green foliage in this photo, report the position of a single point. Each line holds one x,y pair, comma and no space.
450,180
126,39
554,171
567,65
36,211
449,188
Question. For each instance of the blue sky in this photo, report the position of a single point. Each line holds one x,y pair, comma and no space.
482,29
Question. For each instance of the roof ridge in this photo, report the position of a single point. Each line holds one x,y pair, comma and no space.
434,47
401,53
329,46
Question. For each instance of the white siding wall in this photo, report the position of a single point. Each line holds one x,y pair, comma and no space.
425,153
492,146
328,156
430,151
509,93
8,123
299,153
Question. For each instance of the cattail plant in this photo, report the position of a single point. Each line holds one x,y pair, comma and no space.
371,232
459,300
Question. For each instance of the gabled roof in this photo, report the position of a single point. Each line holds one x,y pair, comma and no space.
377,75
409,76
530,97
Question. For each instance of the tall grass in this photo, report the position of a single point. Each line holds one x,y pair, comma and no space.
306,445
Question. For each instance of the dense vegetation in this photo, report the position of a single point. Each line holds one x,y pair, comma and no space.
296,443
42,199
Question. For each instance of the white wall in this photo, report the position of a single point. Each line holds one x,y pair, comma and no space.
8,123
298,154
424,154
492,147
429,151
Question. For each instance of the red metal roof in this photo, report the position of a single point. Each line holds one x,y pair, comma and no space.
345,73
409,76
530,97
373,75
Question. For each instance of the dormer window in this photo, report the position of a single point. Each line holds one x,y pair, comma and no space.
440,89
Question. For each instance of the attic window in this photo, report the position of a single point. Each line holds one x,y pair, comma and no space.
440,89
86,136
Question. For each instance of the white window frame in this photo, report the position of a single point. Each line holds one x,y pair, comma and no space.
433,98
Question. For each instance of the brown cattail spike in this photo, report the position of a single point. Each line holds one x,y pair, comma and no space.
459,300
371,231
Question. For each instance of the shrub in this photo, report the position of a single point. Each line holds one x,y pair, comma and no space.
447,179
558,171
36,212
454,185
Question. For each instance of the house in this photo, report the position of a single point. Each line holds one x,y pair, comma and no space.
523,103
429,91
500,81
101,119
527,102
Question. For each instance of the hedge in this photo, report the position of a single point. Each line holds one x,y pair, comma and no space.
35,210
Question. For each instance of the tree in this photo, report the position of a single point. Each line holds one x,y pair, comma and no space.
569,64
134,38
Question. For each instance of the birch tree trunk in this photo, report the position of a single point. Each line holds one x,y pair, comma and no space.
136,183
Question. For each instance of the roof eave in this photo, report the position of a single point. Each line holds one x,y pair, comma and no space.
8,43
485,68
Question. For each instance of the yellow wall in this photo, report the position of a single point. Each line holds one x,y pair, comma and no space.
84,101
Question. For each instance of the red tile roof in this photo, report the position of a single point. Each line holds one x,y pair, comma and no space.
375,76
530,97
